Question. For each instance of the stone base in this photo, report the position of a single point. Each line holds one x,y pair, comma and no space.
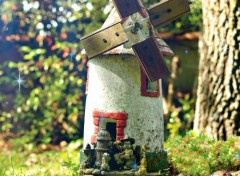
121,173
156,161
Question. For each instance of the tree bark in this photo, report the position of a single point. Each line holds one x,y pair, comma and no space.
218,95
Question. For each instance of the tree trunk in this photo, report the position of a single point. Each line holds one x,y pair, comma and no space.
218,95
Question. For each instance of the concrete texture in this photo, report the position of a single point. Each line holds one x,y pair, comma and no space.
114,86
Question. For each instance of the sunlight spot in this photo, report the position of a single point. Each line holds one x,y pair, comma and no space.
68,14
28,102
49,26
76,7
61,81
89,6
39,17
26,6
42,33
108,8
9,115
39,26
54,10
36,5
54,23
61,9
62,19
45,67
19,109
20,81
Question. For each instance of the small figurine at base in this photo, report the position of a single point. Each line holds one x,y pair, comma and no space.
114,158
125,158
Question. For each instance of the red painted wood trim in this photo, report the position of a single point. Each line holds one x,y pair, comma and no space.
121,123
126,8
143,12
93,138
112,115
96,129
120,131
119,138
144,91
96,121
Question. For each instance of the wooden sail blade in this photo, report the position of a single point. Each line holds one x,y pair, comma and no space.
151,59
167,10
104,40
126,8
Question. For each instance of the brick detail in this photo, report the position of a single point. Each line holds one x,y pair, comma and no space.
96,129
96,121
112,115
150,94
120,131
93,138
121,123
119,138
144,91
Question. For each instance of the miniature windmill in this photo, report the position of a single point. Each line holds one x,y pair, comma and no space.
136,30
120,98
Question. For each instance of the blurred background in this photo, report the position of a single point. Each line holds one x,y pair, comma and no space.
43,79
43,74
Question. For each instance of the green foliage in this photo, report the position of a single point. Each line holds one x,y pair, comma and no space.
194,155
200,155
48,163
50,105
51,108
181,116
73,167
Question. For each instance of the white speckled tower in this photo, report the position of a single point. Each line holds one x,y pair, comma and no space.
116,96
114,86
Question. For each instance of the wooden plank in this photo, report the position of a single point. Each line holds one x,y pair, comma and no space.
151,59
167,10
126,7
104,40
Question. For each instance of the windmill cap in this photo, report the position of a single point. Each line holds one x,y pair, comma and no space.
113,17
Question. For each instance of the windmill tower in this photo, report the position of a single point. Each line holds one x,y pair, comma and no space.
124,85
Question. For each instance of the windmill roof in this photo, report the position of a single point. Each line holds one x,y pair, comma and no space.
114,18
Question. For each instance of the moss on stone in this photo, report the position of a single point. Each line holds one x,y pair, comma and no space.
156,161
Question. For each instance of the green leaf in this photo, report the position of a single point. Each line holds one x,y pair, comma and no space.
186,107
25,49
28,56
12,64
40,51
78,57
